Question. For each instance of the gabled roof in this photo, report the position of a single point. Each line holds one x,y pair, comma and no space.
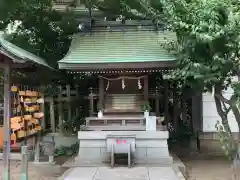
17,54
108,49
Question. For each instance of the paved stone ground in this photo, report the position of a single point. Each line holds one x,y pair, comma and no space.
121,173
201,168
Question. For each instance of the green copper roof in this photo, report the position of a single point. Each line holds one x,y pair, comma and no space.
17,54
106,47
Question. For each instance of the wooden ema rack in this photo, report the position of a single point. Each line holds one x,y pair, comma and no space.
27,116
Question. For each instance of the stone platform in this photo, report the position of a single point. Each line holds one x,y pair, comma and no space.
122,173
151,148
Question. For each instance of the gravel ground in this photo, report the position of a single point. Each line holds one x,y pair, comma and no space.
204,167
35,172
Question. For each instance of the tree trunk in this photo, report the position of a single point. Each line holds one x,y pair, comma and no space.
219,99
222,115
236,113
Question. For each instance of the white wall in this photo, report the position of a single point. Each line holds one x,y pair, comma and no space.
210,115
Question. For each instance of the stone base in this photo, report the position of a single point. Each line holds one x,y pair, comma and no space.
151,147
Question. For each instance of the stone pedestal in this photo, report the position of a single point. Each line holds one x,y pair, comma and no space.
151,147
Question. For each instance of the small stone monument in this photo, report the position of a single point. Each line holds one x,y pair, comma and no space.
49,149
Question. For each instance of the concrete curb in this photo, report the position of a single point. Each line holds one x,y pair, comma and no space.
179,173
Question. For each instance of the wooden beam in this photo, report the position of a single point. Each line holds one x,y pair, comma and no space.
7,115
52,116
113,65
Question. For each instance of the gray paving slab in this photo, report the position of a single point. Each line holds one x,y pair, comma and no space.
82,173
162,173
122,173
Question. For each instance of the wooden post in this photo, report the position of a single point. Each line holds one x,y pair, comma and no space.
24,169
184,110
69,103
196,112
166,101
77,96
52,115
42,108
78,108
101,91
91,102
145,88
38,138
7,115
60,109
157,105
197,116
175,109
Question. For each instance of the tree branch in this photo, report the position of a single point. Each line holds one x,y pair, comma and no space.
225,108
222,115
218,94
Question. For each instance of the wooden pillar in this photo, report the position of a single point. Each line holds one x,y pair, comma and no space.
78,123
42,108
197,118
145,88
77,96
157,105
78,2
166,101
38,138
175,108
101,92
91,102
69,103
52,115
7,115
60,109
197,112
184,110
